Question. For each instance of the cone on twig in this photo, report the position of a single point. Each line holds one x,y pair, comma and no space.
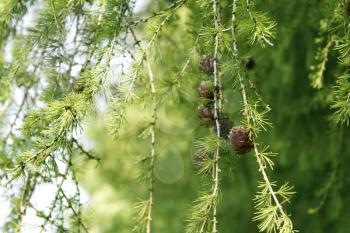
240,139
206,90
207,64
206,114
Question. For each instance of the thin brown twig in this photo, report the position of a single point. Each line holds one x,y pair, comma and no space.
153,150
159,13
217,109
87,153
245,103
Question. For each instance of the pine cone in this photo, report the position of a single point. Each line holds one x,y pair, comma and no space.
206,111
207,64
206,90
240,139
206,114
249,64
225,126
205,121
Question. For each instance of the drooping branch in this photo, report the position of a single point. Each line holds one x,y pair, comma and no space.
138,65
148,46
217,110
153,144
281,220
88,154
158,13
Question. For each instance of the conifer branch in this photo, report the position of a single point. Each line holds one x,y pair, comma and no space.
263,27
87,153
22,106
67,80
55,200
75,44
60,118
185,66
27,193
17,115
146,211
282,217
43,151
317,70
217,110
172,6
326,189
138,66
153,150
75,213
145,50
245,103
203,216
49,129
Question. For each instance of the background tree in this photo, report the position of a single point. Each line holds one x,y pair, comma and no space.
163,115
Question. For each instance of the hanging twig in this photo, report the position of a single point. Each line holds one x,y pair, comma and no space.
217,110
259,159
153,150
159,13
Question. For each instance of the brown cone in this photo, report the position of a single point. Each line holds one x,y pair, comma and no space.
249,64
206,111
206,114
206,90
240,139
205,121
207,64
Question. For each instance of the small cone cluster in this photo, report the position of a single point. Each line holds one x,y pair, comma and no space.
237,136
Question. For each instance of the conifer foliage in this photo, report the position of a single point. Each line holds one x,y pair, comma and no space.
334,34
61,59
